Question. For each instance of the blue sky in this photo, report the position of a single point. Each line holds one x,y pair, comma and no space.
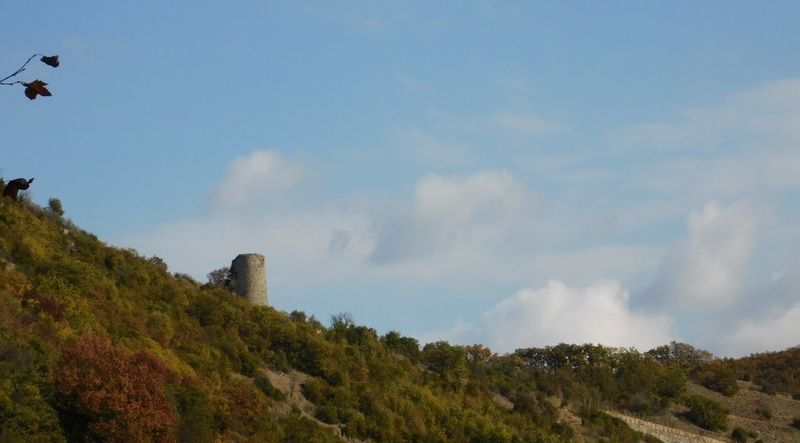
508,173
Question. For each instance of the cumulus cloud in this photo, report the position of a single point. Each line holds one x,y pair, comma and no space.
705,270
776,331
598,313
253,178
453,211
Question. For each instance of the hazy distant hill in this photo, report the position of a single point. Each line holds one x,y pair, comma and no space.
99,343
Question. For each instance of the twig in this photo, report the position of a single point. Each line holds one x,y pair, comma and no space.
18,71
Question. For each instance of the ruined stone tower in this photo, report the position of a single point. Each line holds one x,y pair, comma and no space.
249,278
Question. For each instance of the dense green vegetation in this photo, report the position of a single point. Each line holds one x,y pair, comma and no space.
99,343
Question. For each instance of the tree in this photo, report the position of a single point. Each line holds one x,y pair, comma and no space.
680,356
342,320
112,395
37,87
442,357
220,277
717,376
740,435
407,346
55,205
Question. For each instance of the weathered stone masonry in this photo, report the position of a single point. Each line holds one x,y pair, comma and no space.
249,278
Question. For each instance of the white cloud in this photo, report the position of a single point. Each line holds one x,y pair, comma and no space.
451,212
775,332
556,313
255,178
706,270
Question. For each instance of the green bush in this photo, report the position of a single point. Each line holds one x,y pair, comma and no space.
706,413
315,390
796,422
328,414
764,412
741,435
264,385
54,205
608,428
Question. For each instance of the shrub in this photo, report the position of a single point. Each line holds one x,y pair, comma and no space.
706,413
608,428
54,205
315,390
796,422
265,386
764,412
768,388
328,414
741,435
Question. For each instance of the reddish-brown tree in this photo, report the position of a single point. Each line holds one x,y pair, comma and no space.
112,395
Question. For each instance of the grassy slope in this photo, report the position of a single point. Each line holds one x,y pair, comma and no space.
769,416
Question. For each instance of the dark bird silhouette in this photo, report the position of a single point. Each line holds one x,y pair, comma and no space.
14,186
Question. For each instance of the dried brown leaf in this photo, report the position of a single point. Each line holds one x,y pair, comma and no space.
36,87
51,60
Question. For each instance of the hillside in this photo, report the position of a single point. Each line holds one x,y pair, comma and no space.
99,343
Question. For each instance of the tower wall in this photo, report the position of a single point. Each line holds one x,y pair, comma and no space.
249,278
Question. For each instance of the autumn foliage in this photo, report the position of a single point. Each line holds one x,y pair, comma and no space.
114,395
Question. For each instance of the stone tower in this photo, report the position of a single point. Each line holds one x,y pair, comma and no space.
249,278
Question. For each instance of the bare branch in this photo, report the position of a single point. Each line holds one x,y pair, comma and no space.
18,71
